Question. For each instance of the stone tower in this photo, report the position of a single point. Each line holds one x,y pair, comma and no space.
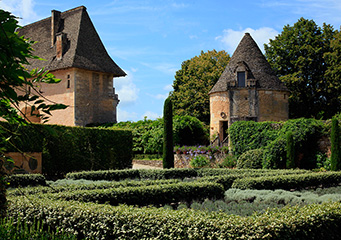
74,53
247,90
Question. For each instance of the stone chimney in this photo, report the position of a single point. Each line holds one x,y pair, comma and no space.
60,44
55,18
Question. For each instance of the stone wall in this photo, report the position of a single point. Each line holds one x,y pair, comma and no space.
94,98
183,160
246,104
62,92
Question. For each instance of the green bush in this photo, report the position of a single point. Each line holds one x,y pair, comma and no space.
146,195
290,149
21,230
279,197
97,221
173,173
148,134
270,136
251,159
73,148
23,180
335,157
118,175
199,161
167,153
274,156
249,135
288,182
65,185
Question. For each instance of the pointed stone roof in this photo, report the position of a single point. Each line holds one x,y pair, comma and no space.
253,61
82,47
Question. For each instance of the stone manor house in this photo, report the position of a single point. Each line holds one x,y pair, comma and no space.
74,53
248,89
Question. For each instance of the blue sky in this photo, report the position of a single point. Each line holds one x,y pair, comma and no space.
149,39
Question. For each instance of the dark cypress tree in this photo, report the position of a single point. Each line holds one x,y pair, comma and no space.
168,155
290,150
335,157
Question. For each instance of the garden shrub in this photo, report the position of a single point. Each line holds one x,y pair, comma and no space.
109,175
74,185
199,161
249,135
290,149
335,157
173,173
148,134
251,159
279,197
23,180
274,156
23,230
146,195
73,148
167,153
271,136
287,182
118,175
98,221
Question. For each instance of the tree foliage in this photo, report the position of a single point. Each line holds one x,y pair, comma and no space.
335,157
193,82
290,148
306,57
147,134
168,156
17,85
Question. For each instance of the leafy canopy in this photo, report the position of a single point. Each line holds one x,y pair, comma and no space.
307,58
193,82
17,85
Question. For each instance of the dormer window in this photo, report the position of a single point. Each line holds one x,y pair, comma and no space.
241,79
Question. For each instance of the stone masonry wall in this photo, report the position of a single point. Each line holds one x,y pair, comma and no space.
60,93
94,98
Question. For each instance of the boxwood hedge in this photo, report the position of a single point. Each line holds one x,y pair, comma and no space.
288,182
98,221
146,195
67,149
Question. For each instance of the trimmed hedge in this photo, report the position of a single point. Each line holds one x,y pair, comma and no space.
288,182
146,195
67,149
23,180
118,175
271,137
73,186
23,230
228,180
97,221
251,159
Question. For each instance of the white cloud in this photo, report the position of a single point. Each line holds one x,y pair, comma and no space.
168,87
126,89
161,96
20,8
231,38
123,116
150,115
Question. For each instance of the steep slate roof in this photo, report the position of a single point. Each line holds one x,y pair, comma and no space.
84,49
249,54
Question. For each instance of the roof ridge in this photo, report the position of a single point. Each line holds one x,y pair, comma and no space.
44,19
73,60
